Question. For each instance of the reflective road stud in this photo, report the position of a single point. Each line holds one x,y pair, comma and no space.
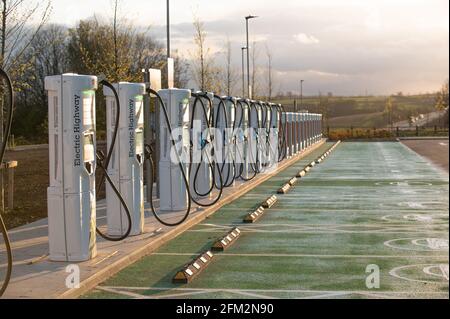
254,216
226,241
173,193
126,165
71,194
191,270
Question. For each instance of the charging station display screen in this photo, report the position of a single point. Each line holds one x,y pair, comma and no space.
139,142
139,109
88,142
88,107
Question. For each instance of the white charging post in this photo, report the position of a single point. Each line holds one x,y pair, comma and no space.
256,125
230,140
242,144
173,192
224,141
297,135
201,142
302,131
300,142
290,136
274,127
126,165
72,163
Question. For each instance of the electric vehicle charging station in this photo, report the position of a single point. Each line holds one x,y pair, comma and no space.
299,130
303,129
290,139
173,192
308,129
297,135
256,124
274,132
320,127
224,114
316,125
266,117
230,139
201,170
314,129
72,161
242,144
126,166
294,134
284,125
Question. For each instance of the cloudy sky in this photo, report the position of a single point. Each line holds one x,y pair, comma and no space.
347,47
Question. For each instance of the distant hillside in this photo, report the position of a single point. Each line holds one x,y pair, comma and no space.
364,111
360,120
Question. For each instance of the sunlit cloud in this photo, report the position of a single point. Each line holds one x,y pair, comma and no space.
340,46
306,39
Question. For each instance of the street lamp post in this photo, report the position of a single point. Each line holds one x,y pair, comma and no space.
243,71
248,53
168,28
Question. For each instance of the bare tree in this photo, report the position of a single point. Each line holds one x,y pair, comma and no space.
15,31
204,72
255,71
15,38
270,78
230,72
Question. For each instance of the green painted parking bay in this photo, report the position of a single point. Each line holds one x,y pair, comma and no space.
366,204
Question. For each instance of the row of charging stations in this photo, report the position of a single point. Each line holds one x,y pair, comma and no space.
206,142
302,130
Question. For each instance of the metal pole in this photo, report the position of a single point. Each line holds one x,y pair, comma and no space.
248,60
248,55
243,72
168,29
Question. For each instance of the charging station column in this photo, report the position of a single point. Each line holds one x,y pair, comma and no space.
230,139
297,135
201,138
274,129
72,163
256,125
173,192
266,115
300,135
289,134
308,129
314,128
294,134
242,147
320,127
126,165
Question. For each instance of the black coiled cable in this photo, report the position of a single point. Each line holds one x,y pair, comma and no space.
148,156
208,120
6,133
103,163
